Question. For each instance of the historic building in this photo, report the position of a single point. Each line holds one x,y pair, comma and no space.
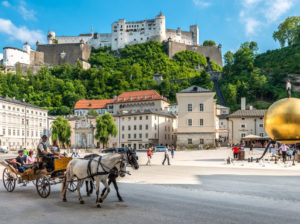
142,118
15,59
83,131
130,33
127,101
21,124
141,129
247,121
196,117
222,124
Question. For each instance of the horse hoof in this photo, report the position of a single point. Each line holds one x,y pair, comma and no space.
81,202
88,195
100,200
121,200
64,200
98,206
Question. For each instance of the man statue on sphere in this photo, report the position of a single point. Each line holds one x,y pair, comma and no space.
288,88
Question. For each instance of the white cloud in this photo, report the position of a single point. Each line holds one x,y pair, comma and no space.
251,26
202,3
5,3
27,14
277,8
256,14
21,33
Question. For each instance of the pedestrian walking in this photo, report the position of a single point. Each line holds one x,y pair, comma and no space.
172,151
149,156
235,150
166,157
73,152
284,148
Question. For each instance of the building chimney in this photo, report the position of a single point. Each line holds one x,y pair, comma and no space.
243,103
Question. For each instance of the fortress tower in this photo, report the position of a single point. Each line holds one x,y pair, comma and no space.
195,34
50,37
160,22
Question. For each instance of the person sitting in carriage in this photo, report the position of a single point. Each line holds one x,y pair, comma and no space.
45,156
20,161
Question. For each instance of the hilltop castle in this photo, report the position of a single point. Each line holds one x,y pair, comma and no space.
130,33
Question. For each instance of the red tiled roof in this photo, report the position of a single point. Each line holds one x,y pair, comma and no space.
134,96
92,104
143,95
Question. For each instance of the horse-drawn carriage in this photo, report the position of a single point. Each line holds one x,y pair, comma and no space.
40,176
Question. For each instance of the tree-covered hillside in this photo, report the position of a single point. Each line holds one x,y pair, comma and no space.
112,73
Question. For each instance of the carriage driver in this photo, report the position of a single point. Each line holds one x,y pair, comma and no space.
43,153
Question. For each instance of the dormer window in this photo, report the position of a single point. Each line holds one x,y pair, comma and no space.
136,97
123,99
117,100
144,97
130,98
90,105
150,97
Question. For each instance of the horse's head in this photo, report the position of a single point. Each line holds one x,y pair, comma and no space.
132,158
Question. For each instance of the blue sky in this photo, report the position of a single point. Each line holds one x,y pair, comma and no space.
229,22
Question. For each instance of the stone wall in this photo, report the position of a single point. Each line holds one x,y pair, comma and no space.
213,53
36,57
53,53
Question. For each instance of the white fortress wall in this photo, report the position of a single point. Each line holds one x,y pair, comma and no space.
13,55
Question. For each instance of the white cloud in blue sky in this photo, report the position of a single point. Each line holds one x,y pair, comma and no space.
21,33
256,14
27,14
202,3
5,3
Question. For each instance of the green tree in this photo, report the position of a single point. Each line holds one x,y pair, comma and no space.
105,127
287,32
209,43
92,112
61,131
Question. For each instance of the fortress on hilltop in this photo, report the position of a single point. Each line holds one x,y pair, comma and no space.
130,33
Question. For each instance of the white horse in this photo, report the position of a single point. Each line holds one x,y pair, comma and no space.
99,169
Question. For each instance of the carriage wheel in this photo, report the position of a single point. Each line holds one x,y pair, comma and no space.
8,180
72,186
43,186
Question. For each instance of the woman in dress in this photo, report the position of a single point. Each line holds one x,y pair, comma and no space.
30,159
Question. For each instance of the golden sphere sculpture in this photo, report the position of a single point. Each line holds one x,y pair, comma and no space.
282,121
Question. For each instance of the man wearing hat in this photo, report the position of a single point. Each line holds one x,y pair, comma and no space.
43,153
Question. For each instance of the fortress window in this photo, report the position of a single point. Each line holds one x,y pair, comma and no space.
141,38
134,39
115,27
149,28
116,39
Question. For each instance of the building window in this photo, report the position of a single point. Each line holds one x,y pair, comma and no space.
243,125
146,135
146,127
129,128
190,141
123,128
3,131
201,141
201,107
190,122
165,137
165,128
134,136
141,127
261,134
261,125
147,117
129,136
140,136
141,118
134,127
129,118
243,135
155,126
134,118
9,132
190,107
201,122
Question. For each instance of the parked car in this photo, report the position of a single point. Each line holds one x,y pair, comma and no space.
160,148
3,149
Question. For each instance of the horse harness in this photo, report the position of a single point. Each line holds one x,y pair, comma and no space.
104,172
